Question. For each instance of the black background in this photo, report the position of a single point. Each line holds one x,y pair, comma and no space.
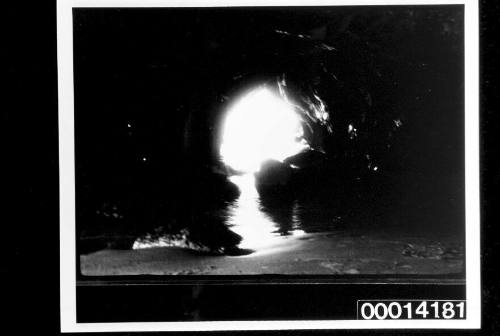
253,301
30,271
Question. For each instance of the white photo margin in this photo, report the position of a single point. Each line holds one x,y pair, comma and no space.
67,176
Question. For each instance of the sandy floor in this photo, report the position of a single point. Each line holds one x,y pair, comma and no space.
320,253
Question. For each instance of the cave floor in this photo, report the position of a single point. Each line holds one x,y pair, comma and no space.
313,253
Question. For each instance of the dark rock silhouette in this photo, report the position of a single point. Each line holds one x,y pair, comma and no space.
212,233
273,177
305,159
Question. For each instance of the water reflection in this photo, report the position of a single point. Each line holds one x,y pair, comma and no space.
258,228
250,224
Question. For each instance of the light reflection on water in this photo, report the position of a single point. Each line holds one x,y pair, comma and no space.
246,218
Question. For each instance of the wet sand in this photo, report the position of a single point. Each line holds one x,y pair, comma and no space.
317,253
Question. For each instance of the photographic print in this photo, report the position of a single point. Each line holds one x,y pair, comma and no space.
293,142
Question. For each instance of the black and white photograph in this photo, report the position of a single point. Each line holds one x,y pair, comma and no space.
301,143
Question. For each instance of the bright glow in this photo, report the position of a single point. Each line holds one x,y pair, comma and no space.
246,219
257,230
259,127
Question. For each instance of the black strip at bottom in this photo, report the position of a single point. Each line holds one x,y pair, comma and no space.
240,302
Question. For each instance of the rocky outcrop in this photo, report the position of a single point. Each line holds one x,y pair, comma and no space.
273,177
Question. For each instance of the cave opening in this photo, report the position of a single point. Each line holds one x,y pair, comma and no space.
260,126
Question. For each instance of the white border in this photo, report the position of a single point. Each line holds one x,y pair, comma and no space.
67,176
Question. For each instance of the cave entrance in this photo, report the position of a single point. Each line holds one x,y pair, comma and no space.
261,125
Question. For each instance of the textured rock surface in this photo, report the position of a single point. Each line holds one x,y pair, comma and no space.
319,253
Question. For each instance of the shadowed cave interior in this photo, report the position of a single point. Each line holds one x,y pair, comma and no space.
373,182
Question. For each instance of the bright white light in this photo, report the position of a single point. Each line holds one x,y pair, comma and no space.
259,127
247,220
257,230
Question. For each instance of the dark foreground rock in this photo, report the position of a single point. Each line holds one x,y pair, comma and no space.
273,177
